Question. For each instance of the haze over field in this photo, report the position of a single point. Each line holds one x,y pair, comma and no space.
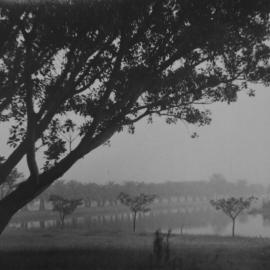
235,144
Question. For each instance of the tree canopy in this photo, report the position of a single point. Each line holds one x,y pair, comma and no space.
104,193
97,67
137,204
63,206
233,207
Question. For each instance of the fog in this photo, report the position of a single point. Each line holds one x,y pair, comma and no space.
235,144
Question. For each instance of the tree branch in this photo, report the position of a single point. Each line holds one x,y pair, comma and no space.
31,117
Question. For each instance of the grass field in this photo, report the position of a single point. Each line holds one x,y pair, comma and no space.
77,249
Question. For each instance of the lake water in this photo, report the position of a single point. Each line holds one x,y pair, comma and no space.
193,220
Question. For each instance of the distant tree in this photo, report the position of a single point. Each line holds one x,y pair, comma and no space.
98,67
64,207
136,204
241,187
74,189
266,207
111,190
42,199
232,207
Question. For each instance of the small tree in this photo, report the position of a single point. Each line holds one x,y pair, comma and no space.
232,207
64,206
136,204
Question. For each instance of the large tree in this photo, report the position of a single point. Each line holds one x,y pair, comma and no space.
97,67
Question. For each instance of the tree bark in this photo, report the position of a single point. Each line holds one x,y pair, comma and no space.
25,193
6,213
42,224
62,220
233,227
134,221
41,204
87,203
181,229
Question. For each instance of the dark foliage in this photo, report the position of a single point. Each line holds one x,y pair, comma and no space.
98,67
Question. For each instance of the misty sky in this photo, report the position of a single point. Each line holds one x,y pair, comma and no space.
236,144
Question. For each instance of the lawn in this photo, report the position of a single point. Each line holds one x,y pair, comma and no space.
77,249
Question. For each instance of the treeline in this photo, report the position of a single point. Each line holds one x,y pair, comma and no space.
99,194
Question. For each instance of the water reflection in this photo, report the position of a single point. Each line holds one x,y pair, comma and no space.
194,220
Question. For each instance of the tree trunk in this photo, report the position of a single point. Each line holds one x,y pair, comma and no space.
1,192
42,224
233,227
101,203
30,189
181,229
17,199
41,204
6,213
62,221
134,221
88,203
